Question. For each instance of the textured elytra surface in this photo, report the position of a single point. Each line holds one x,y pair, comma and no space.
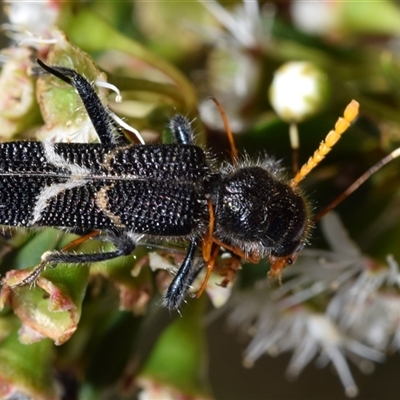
172,162
153,189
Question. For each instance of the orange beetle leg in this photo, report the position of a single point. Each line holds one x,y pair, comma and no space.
210,267
209,255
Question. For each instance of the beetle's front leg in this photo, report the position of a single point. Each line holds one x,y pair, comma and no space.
183,279
182,130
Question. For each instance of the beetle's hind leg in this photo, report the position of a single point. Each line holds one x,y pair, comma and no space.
124,244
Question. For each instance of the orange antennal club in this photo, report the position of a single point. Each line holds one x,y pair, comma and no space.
326,145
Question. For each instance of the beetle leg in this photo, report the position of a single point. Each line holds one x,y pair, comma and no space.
107,129
124,246
181,129
182,280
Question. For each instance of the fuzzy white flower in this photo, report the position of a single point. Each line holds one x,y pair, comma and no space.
298,90
354,313
30,22
304,16
244,23
369,307
234,66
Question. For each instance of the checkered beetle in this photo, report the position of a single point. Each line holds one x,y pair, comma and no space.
125,193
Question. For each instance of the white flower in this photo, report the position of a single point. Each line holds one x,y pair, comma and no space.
298,90
234,65
315,17
333,304
244,24
369,307
30,22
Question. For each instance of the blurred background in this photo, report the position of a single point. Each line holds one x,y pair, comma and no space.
332,328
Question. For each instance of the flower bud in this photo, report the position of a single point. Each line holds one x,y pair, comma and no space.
298,90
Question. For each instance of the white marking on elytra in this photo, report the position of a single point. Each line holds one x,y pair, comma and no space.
51,191
58,161
77,178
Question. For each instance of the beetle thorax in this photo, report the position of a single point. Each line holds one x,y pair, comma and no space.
257,212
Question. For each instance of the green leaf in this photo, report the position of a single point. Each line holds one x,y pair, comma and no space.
179,357
370,17
26,369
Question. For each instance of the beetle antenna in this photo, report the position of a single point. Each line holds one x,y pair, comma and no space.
234,152
342,124
357,183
